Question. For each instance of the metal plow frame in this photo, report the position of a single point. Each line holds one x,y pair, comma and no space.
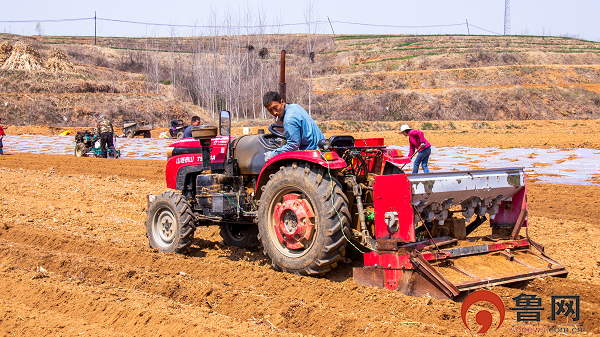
449,267
413,273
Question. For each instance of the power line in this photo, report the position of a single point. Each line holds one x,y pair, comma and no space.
393,26
246,27
489,31
202,26
36,21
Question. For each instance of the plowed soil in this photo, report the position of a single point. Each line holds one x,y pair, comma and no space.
74,260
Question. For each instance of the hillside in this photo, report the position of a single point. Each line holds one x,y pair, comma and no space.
362,77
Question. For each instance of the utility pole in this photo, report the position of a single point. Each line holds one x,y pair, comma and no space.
507,17
330,26
468,31
94,28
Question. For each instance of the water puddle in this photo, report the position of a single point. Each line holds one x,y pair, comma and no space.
557,166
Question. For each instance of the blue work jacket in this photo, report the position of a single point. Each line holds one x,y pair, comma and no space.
300,130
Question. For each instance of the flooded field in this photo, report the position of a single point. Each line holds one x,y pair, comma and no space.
578,166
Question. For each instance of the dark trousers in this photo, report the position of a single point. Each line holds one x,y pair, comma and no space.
106,141
1,152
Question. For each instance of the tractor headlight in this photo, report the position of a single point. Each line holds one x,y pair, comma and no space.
323,144
169,152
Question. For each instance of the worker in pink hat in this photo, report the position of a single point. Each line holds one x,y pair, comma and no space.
418,143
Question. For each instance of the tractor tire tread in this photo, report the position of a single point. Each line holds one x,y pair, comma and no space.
182,209
331,245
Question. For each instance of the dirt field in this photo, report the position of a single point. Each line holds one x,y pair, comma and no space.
74,260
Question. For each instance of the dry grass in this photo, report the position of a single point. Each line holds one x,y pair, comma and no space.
23,57
58,61
5,51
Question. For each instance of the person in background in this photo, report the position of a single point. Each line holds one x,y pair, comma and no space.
300,130
105,130
417,143
188,131
1,137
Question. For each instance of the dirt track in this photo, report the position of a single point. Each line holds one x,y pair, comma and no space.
81,220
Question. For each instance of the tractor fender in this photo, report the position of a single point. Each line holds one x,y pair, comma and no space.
287,158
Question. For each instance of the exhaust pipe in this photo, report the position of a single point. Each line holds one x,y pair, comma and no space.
282,76
204,133
205,143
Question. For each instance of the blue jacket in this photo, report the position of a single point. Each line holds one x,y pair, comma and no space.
301,131
187,133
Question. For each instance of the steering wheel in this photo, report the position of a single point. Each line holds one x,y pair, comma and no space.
276,133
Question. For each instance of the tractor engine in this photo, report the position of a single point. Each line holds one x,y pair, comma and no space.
219,195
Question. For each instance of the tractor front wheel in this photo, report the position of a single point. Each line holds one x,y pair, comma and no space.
301,216
80,150
169,223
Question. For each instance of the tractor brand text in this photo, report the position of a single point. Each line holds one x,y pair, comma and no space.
191,159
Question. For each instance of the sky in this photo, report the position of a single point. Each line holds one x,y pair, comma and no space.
575,18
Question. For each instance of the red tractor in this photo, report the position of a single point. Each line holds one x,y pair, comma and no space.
306,207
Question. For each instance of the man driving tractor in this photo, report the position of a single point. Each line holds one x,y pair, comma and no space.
300,130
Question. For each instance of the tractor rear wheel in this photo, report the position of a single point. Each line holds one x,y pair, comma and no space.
129,134
170,223
179,134
80,150
240,235
301,216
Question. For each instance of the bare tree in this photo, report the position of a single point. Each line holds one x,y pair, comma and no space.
311,27
152,63
39,29
263,53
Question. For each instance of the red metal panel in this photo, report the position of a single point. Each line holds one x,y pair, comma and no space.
369,142
312,156
392,193
389,260
509,216
396,160
392,277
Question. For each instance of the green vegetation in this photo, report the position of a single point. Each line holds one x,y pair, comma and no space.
512,126
430,126
407,43
360,44
481,125
362,37
389,59
452,126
